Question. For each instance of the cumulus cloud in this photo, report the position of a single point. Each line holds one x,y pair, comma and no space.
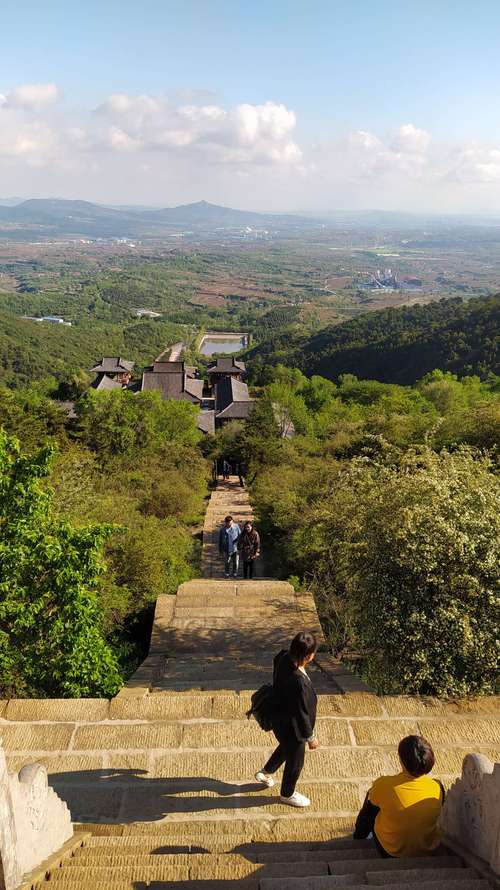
245,134
409,139
33,96
201,146
403,153
474,164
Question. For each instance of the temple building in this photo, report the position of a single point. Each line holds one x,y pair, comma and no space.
232,400
174,380
224,398
226,367
113,372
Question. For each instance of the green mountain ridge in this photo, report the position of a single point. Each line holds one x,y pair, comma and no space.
396,345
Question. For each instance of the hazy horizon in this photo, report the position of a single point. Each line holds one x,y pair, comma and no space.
268,107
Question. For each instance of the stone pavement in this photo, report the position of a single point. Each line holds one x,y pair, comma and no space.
161,776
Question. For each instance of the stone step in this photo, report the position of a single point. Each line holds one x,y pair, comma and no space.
159,800
334,848
130,848
333,882
290,828
222,866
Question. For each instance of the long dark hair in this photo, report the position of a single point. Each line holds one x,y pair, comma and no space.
302,646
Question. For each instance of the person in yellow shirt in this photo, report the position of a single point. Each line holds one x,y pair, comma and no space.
402,811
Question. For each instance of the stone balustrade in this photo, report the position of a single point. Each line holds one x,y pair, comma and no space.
471,814
34,822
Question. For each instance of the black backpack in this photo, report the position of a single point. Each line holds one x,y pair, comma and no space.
262,706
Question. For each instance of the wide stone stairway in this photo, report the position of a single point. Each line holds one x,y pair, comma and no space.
159,781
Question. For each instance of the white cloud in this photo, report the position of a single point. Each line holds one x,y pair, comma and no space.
474,164
148,147
409,139
33,96
245,134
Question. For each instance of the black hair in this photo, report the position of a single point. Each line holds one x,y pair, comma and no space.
228,519
302,645
416,755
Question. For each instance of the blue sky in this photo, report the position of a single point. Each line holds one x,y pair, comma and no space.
342,68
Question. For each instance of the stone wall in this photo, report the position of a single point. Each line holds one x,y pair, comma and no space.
34,822
471,814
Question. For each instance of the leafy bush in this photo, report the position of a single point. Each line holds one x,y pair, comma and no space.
51,639
410,555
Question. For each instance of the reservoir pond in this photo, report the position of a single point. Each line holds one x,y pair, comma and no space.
213,345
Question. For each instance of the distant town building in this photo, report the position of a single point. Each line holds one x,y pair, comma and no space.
146,313
50,319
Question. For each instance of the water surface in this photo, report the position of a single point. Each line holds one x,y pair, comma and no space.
222,344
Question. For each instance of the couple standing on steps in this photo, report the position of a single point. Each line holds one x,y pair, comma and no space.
235,542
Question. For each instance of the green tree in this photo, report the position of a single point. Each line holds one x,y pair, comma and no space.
51,640
409,553
123,422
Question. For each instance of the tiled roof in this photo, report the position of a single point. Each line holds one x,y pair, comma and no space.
193,387
206,422
160,367
232,398
170,385
226,365
236,410
230,390
113,365
103,383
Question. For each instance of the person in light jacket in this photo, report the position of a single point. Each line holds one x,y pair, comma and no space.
295,704
228,546
249,548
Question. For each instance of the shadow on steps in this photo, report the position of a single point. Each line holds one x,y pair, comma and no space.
123,796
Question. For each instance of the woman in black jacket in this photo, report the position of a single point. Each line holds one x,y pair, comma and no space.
249,548
295,716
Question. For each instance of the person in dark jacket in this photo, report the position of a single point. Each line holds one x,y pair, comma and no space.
295,716
249,548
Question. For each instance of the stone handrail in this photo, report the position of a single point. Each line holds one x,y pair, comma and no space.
34,822
471,814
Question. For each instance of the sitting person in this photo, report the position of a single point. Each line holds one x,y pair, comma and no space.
402,811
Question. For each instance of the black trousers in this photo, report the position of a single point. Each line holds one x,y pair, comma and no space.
291,752
248,569
365,825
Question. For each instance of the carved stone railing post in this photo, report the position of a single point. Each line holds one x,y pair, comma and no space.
471,813
34,822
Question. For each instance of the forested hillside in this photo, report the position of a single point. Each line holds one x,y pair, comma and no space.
31,350
394,345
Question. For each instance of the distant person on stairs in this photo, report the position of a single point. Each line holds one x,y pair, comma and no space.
229,536
295,716
402,811
249,548
226,470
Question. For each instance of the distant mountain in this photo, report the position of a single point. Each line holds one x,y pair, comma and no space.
10,202
56,217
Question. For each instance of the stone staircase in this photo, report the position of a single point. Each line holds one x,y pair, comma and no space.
159,781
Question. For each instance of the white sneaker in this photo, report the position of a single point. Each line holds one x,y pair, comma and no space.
296,800
264,779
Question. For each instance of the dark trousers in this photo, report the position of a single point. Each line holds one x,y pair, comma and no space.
248,569
365,825
291,752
